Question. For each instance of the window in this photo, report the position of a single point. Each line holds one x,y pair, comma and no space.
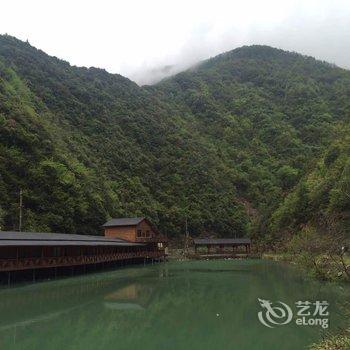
139,233
148,234
57,251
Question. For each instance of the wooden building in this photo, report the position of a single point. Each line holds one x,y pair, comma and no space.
21,251
222,247
138,230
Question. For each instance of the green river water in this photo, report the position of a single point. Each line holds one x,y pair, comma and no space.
175,305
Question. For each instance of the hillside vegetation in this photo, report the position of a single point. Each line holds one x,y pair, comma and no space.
254,141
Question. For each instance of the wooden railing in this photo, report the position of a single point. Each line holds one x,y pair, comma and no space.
34,263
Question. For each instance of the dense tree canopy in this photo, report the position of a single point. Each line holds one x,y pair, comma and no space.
253,141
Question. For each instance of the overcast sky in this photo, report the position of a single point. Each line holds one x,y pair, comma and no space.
139,38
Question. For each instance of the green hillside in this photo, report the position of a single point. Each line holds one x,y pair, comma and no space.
225,144
321,199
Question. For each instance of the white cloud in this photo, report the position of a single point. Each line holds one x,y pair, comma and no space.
135,38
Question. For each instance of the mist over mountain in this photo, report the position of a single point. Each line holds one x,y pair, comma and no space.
154,75
254,141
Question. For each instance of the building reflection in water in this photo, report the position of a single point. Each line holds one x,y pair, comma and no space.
27,305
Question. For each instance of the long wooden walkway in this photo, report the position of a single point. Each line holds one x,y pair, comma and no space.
47,262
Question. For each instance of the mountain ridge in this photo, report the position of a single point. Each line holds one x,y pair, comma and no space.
238,50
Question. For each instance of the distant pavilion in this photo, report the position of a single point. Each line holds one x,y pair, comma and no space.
218,246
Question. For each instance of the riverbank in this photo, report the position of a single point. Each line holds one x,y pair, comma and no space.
178,254
324,271
336,342
321,267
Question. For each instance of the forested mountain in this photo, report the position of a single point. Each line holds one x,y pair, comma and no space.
230,144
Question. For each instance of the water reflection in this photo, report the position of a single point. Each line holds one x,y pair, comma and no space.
190,305
40,302
134,296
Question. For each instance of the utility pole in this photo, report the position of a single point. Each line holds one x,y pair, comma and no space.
186,236
20,209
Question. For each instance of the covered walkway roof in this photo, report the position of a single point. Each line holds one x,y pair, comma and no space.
13,238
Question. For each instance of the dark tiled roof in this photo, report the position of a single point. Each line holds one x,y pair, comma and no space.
123,222
13,238
204,241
